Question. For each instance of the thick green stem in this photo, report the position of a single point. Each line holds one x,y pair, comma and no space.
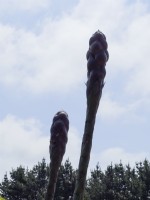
97,57
54,168
92,105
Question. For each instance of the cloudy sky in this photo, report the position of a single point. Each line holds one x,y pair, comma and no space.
43,44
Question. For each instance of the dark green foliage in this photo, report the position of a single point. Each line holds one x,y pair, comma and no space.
117,182
120,182
65,182
95,187
25,184
32,184
15,187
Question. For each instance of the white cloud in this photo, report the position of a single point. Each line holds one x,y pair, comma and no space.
23,143
29,5
115,155
54,59
109,109
129,56
112,109
73,147
39,63
138,84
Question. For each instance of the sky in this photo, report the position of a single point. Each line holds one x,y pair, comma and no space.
43,69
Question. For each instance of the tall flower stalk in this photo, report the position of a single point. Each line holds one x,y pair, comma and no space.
97,56
58,141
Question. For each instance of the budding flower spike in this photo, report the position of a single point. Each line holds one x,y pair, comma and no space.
97,56
59,137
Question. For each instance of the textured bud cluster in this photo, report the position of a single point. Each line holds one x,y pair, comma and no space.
59,135
58,141
97,56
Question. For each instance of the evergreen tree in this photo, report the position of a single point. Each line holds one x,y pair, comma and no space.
95,186
117,182
65,182
24,184
32,184
4,187
120,183
143,172
17,184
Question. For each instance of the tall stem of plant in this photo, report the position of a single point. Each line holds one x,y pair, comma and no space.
59,138
97,57
54,169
